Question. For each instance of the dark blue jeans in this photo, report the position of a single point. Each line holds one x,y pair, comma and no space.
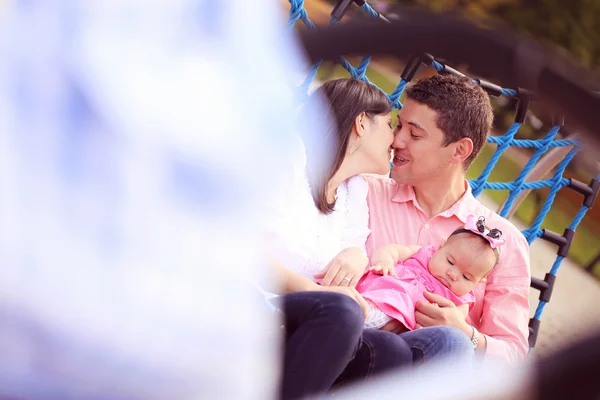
439,342
326,344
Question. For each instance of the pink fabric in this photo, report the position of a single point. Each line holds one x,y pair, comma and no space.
501,308
397,296
471,224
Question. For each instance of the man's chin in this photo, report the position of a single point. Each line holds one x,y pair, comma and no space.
399,177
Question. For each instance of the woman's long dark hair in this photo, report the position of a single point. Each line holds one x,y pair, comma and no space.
345,100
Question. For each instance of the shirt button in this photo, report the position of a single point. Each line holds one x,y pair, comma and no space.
426,226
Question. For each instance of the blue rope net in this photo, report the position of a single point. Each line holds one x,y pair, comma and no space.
541,146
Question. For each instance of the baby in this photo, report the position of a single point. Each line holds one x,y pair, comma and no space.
400,274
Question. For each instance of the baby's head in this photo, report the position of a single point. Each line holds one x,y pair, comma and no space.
466,258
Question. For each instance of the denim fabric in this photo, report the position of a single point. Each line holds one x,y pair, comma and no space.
326,344
129,196
437,342
379,352
323,333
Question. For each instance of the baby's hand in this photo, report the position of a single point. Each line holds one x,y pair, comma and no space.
384,269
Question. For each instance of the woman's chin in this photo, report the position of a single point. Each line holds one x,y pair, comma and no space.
385,169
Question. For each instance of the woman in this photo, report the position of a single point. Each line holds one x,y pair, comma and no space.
320,234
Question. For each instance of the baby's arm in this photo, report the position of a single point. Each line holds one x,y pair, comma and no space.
384,259
464,309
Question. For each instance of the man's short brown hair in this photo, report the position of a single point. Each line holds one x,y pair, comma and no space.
463,108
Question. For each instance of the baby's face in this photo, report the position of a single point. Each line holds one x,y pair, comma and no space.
461,264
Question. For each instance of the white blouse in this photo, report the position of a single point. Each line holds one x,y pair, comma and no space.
303,239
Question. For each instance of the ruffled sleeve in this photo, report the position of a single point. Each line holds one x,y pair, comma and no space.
356,225
423,255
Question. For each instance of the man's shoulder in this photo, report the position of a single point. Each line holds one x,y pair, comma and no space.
378,179
513,270
381,188
494,220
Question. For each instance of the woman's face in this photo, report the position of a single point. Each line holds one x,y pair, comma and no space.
376,143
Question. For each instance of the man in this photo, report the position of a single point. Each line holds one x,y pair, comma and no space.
441,128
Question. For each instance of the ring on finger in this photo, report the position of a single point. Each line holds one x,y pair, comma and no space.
347,279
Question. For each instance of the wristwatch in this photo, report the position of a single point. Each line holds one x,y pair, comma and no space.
475,338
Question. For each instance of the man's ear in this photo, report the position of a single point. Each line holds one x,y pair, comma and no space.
462,150
359,124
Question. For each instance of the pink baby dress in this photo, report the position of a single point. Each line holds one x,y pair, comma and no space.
397,296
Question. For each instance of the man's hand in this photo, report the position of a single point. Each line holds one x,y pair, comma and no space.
440,311
345,269
384,268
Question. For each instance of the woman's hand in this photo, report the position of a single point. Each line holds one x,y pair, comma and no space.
345,269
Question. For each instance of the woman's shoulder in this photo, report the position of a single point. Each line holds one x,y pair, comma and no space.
357,184
354,192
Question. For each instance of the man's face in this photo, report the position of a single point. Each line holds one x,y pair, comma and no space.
419,154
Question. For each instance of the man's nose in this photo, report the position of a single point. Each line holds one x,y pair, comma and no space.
399,140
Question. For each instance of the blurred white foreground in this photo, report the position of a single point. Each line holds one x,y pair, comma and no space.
137,142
